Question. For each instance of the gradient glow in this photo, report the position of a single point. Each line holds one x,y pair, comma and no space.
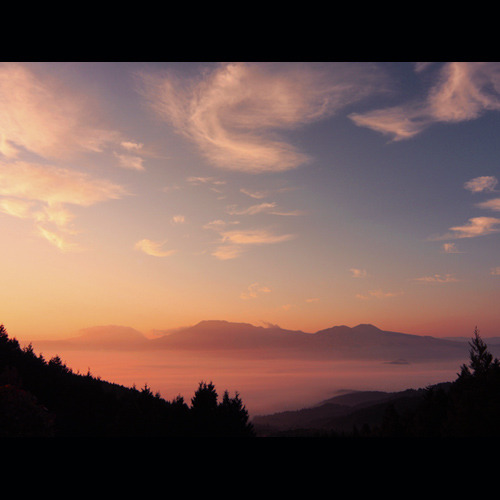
157,195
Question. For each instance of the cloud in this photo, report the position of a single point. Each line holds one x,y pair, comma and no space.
254,237
450,248
437,278
233,112
55,185
218,224
42,116
40,193
261,208
232,243
130,162
484,183
254,290
153,248
178,219
132,146
254,209
227,252
204,180
254,194
463,91
358,273
378,294
495,271
493,204
309,301
58,240
477,226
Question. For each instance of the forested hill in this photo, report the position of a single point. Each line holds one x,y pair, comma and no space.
467,407
40,398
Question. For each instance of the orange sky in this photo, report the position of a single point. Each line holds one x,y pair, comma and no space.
157,195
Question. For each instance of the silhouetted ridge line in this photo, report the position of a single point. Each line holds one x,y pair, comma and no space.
46,399
364,342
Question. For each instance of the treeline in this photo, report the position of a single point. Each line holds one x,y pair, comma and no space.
467,407
40,398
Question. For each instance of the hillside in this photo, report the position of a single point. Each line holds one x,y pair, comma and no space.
466,407
340,413
40,398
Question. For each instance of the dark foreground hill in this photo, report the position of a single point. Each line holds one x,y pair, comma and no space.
467,407
40,398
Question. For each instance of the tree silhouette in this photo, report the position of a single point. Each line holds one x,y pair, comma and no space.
481,360
234,417
39,398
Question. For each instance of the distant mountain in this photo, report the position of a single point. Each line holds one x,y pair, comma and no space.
488,340
112,337
215,334
362,342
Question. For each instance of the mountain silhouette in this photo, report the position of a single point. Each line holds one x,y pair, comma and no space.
363,342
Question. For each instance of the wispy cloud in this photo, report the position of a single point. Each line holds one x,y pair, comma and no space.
129,161
254,290
358,273
55,185
269,208
450,248
493,204
227,252
218,224
43,116
477,226
233,112
153,248
41,193
479,184
437,278
495,271
178,219
233,243
254,209
254,237
258,195
463,91
197,180
378,294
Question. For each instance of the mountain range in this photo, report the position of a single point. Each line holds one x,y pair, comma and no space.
363,341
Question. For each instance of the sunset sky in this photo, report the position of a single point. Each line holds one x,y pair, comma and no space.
308,195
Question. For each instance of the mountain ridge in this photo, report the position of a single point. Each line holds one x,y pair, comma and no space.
363,341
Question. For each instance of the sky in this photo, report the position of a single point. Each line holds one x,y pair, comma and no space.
156,195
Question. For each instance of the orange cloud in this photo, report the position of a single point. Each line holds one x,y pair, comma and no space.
153,248
484,183
39,192
44,117
254,237
437,278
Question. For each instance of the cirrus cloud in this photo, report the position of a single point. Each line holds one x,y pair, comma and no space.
153,248
463,91
41,193
233,112
42,116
